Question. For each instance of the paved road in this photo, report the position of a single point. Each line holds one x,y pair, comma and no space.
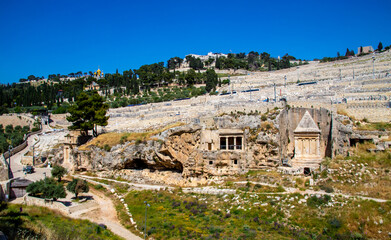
17,167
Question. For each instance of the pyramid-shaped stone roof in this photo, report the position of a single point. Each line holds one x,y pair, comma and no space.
307,124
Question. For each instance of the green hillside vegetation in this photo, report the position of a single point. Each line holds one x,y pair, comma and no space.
252,215
41,223
149,83
11,136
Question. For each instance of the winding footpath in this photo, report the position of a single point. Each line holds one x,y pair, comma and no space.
220,191
103,213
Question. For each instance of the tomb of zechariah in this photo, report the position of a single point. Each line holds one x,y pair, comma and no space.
307,143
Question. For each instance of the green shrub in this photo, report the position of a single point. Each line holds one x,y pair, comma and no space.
335,223
107,148
123,139
324,174
327,188
98,187
314,201
280,189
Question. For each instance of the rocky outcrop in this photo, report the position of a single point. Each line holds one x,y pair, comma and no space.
194,150
178,149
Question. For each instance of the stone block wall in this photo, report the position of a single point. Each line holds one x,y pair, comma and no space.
33,201
373,111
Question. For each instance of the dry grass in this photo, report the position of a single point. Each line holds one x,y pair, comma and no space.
346,122
364,173
342,111
386,139
376,126
112,139
268,126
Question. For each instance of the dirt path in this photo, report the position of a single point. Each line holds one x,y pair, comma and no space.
290,190
106,214
216,191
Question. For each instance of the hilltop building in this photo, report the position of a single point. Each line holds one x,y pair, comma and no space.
93,86
206,57
367,49
98,74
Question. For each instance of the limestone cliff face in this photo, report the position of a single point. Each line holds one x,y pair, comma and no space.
3,173
179,149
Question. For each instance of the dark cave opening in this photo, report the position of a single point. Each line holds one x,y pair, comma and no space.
137,164
140,164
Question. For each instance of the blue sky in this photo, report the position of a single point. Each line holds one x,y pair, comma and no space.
45,37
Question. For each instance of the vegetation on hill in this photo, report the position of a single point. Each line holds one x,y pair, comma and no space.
59,91
139,86
46,188
254,61
77,186
364,172
11,136
108,140
58,172
88,112
161,95
350,53
250,215
32,222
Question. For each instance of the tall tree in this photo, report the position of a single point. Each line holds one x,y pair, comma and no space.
380,46
46,188
218,63
211,80
78,186
190,77
88,112
347,54
58,172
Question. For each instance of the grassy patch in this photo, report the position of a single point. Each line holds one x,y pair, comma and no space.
41,223
177,215
376,126
363,173
222,75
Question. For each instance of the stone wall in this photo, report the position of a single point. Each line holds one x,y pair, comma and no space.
33,201
57,205
83,206
3,168
373,111
3,190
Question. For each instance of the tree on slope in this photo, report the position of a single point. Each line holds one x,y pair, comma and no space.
211,80
78,186
46,188
380,46
58,172
88,112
